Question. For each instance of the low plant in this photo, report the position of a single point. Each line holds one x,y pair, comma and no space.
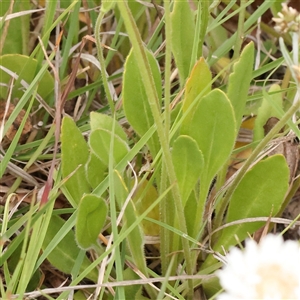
162,179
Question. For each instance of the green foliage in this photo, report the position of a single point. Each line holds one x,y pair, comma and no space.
95,170
17,34
212,126
65,251
135,237
92,212
105,122
255,196
156,160
267,110
182,37
135,97
199,83
143,197
238,86
99,142
197,86
188,164
26,69
74,155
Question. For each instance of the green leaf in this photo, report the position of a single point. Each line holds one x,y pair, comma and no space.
260,193
188,163
96,170
182,37
102,121
267,110
212,126
92,212
64,255
100,144
17,36
198,82
74,156
135,100
26,68
239,82
131,290
190,212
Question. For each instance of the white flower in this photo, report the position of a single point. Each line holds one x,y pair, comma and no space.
269,270
288,20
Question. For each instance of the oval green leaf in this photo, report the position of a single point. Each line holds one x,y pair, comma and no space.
64,255
135,99
74,156
188,163
198,82
100,144
182,37
92,212
212,126
102,121
260,193
239,82
26,68
96,170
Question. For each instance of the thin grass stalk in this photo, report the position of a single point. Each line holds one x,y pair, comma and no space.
145,73
165,209
200,33
225,48
6,25
102,61
240,31
113,214
67,44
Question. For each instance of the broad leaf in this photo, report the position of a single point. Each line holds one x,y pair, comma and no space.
135,98
182,37
260,194
100,144
17,35
64,255
74,156
102,121
96,170
212,126
239,82
188,163
198,82
92,213
26,68
190,212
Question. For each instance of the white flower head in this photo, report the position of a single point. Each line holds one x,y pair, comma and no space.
288,20
269,270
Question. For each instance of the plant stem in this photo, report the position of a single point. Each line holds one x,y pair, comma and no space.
102,62
145,73
165,235
240,32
